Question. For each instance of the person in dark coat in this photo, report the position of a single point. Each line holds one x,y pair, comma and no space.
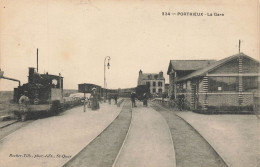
133,99
94,100
115,97
145,97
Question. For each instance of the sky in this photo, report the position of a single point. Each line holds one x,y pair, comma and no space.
75,36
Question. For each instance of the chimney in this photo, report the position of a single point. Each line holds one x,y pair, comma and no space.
140,72
161,74
31,72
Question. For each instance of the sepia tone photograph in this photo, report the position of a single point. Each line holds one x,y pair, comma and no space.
87,83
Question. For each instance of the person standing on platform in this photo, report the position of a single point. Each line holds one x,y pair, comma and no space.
23,102
95,103
115,97
145,97
23,105
133,99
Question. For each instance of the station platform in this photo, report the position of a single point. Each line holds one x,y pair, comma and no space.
52,141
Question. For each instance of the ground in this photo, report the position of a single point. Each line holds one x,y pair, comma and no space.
125,136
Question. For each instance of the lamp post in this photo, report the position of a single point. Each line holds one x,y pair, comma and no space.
108,65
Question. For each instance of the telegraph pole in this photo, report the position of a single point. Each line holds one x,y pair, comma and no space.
239,43
37,61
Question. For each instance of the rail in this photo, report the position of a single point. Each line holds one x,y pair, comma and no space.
195,130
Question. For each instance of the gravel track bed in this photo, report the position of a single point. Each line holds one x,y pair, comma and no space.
191,149
102,151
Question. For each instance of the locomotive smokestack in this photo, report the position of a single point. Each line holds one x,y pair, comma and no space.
37,60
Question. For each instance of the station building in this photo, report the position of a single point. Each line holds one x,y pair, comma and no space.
156,82
181,68
229,84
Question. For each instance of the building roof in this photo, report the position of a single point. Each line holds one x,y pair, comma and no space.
151,76
188,65
212,66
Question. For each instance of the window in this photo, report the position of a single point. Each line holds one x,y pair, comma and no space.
179,87
154,83
148,84
160,90
160,84
250,83
154,90
155,76
223,84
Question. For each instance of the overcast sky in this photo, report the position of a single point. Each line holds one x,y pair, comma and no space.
74,37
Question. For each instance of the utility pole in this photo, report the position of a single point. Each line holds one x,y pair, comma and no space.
37,61
239,43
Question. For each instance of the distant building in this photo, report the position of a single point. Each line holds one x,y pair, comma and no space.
156,82
180,68
229,84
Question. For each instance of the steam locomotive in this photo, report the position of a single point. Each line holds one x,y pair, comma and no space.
45,93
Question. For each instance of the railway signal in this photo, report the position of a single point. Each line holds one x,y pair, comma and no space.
1,73
12,79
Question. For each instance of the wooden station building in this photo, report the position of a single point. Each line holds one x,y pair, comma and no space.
229,85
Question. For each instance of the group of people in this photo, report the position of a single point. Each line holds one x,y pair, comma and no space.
144,97
93,102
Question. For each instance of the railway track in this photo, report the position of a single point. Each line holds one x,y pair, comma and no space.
7,130
191,149
104,149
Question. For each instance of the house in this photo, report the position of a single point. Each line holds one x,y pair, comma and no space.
180,68
156,82
227,84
